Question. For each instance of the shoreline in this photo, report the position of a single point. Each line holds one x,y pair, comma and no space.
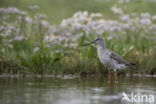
69,76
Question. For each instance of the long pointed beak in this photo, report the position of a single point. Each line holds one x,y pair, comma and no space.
93,42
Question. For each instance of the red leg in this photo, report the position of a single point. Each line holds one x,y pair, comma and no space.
116,77
109,75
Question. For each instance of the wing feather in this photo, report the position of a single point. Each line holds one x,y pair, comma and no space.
118,58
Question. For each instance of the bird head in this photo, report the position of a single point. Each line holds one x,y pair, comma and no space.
98,41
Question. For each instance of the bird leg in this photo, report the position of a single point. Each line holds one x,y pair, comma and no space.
116,77
109,75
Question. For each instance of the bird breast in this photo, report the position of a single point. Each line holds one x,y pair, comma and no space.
103,56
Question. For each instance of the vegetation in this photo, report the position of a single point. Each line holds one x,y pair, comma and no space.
29,44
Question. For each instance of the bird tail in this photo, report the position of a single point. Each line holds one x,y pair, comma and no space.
131,64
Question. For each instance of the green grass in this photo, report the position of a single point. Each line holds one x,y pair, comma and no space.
18,57
56,10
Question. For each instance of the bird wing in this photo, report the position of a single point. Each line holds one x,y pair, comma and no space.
118,58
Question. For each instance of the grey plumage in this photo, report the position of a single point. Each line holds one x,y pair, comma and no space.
119,59
108,57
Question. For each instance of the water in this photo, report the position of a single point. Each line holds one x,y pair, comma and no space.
72,90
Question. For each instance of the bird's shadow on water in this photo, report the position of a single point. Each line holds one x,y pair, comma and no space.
112,88
107,93
113,92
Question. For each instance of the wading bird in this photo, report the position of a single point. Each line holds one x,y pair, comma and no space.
109,58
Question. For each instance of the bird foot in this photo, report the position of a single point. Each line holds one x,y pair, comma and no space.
116,81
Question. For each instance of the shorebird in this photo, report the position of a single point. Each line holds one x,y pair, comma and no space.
109,58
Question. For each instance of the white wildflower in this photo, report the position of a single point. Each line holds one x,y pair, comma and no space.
131,47
154,27
110,37
145,15
124,18
47,39
36,49
41,16
117,10
33,7
8,32
45,23
11,10
3,50
28,19
23,13
19,38
124,1
95,15
145,21
1,28
154,17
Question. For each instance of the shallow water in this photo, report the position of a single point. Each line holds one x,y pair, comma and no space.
73,90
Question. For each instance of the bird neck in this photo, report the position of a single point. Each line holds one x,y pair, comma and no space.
102,46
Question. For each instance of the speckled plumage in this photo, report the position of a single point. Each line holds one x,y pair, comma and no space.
109,58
